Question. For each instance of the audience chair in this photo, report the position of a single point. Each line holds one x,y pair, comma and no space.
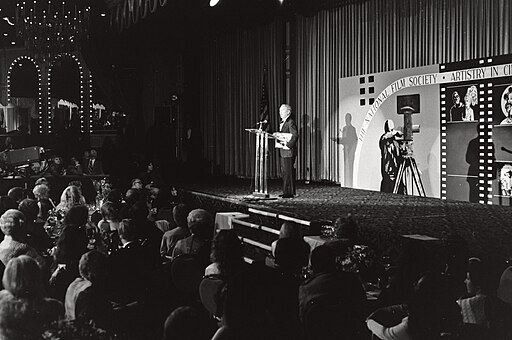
211,292
186,273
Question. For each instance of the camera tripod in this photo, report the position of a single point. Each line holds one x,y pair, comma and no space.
409,177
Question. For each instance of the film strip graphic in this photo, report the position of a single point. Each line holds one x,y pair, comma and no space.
479,151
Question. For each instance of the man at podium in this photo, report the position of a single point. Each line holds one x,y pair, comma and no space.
287,144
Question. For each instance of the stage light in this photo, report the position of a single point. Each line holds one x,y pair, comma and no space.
103,15
214,2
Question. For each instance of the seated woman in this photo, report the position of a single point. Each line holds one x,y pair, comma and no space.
12,224
42,195
71,245
70,197
24,311
227,255
109,226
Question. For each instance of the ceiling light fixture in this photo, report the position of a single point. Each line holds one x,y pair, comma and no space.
214,2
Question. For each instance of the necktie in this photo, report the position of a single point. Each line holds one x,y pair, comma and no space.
91,165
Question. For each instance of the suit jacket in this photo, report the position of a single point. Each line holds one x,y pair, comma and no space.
97,168
289,126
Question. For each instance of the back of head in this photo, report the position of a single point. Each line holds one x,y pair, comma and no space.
41,180
139,213
346,228
505,287
132,196
115,196
16,194
22,277
127,230
77,215
432,310
109,211
289,230
12,223
41,191
227,251
93,266
71,245
291,254
200,223
184,323
323,259
29,208
179,214
70,197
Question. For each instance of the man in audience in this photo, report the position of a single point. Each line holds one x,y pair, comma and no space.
127,265
12,224
339,287
94,166
181,231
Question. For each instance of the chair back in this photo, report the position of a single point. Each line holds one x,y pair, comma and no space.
186,273
211,292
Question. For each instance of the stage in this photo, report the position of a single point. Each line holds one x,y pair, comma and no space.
382,217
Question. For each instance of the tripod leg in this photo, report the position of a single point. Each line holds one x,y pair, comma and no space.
399,178
417,179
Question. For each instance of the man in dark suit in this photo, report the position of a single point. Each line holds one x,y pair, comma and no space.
94,166
288,152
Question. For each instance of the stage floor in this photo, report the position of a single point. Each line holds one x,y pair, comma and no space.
487,228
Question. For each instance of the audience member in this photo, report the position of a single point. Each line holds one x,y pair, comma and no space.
109,226
71,245
226,255
86,297
24,311
430,313
185,323
42,195
200,224
36,235
341,288
128,265
12,224
17,194
171,237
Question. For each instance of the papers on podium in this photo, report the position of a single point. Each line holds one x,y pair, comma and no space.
283,138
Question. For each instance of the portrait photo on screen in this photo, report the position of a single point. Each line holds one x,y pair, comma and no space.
462,103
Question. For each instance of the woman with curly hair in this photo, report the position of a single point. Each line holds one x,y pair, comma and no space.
470,99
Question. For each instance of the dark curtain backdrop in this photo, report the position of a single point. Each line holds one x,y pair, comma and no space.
370,37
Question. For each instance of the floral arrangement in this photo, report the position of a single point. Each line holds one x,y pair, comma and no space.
358,259
54,222
103,188
76,330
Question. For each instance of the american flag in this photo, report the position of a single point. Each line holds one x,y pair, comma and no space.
264,104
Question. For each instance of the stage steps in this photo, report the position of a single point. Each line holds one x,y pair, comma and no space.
258,230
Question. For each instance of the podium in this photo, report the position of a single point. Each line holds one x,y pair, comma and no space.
261,166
